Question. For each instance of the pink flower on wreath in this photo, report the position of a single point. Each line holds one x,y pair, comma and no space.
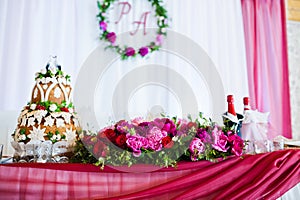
111,37
220,140
129,51
159,40
143,51
103,25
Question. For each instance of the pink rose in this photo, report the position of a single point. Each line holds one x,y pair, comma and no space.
220,140
237,144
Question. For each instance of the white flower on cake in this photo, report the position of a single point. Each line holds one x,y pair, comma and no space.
35,93
60,123
48,80
37,134
43,71
23,123
22,137
71,110
56,137
45,87
53,107
31,121
39,114
49,121
66,116
70,136
53,137
57,92
33,106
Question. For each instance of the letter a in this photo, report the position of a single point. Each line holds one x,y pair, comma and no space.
144,15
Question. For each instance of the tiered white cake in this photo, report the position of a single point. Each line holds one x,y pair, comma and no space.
50,113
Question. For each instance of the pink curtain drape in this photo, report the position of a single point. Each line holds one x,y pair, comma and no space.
267,62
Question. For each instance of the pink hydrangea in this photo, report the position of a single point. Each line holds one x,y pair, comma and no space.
157,134
154,144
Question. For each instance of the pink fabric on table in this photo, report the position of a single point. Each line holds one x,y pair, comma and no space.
266,176
267,62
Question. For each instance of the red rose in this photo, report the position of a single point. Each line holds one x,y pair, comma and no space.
111,135
99,148
167,142
40,107
64,109
121,140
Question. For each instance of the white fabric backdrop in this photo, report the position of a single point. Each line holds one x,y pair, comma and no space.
33,30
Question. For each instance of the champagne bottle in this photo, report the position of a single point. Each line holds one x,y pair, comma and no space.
231,118
246,102
230,110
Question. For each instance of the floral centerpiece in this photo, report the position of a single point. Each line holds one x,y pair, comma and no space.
162,141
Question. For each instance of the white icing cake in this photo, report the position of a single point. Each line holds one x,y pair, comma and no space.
50,113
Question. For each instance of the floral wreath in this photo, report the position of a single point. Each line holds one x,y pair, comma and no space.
126,51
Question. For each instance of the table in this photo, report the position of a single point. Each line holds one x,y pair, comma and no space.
261,176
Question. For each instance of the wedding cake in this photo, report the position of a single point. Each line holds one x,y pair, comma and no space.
50,113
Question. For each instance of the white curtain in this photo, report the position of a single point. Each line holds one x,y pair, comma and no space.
32,30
